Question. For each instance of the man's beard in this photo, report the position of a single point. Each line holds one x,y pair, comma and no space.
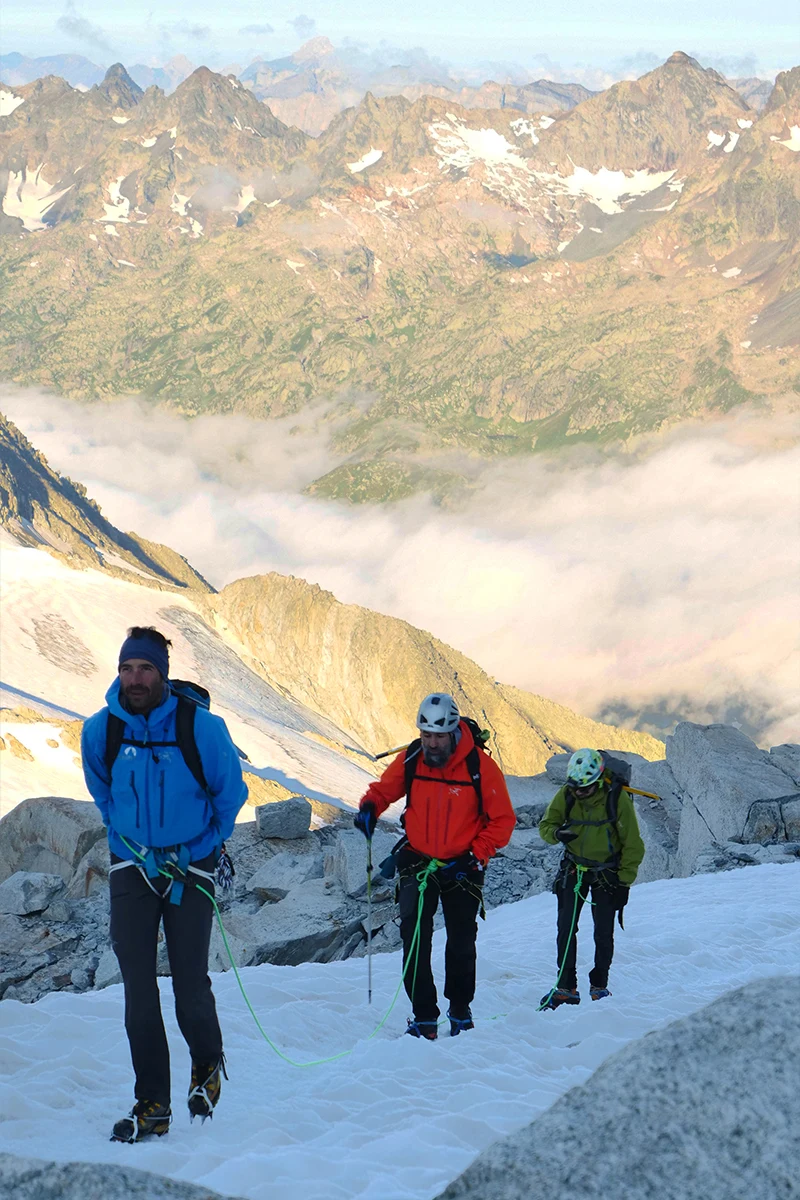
435,758
144,700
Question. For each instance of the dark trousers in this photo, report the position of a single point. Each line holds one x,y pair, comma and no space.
136,913
460,906
604,909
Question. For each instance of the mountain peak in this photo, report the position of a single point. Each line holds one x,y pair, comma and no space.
318,47
680,59
787,87
119,88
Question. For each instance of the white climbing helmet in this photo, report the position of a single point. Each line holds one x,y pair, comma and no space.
585,767
438,713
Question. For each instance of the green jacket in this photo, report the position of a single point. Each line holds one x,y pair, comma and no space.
598,843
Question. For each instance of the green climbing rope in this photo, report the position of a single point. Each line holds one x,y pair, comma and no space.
581,871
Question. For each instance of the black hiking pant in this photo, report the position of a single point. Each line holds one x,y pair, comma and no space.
136,913
461,903
605,902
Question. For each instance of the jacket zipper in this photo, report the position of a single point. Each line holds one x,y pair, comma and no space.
136,794
161,791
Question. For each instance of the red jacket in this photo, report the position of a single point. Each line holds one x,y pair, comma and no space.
442,818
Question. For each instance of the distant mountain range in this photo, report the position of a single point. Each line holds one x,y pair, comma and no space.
315,83
497,282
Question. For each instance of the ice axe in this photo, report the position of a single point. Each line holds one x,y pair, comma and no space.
394,750
369,920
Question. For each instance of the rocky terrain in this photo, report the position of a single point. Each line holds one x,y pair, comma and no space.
300,893
625,1132
534,280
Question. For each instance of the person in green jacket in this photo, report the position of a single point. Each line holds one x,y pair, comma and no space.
594,819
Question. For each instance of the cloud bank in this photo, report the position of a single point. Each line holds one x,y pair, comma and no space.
654,586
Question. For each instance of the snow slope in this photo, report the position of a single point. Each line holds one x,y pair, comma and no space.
398,1118
53,614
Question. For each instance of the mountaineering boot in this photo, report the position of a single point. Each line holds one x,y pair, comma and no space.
598,993
423,1029
205,1088
460,1022
560,996
146,1118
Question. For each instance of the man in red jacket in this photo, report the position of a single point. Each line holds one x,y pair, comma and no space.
458,816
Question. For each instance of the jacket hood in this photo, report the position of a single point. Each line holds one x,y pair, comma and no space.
137,721
465,744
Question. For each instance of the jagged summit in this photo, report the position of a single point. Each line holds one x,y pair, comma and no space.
680,58
119,88
787,87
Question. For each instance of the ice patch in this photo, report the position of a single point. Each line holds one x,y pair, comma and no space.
522,127
743,124
732,140
369,159
9,102
715,139
237,124
246,196
30,198
120,207
121,120
546,122
792,142
148,142
123,262
731,272
179,204
607,189
111,230
294,266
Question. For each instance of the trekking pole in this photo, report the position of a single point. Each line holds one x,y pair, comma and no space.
369,920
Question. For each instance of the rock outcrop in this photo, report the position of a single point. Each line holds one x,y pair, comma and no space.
705,1107
35,1179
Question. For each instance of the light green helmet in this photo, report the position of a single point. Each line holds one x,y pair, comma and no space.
585,767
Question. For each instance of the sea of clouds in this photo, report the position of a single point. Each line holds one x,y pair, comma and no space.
641,587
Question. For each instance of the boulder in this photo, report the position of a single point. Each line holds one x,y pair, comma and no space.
28,892
346,858
285,819
530,797
722,774
787,759
107,971
282,872
49,834
36,1179
729,856
91,874
704,1107
315,923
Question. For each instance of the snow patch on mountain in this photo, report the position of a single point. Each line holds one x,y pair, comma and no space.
733,138
120,120
522,127
30,197
119,208
9,102
715,139
368,160
743,124
792,142
607,189
246,197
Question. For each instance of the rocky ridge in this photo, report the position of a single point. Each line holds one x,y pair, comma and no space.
38,507
299,893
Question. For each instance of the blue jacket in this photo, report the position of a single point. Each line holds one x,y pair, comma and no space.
152,798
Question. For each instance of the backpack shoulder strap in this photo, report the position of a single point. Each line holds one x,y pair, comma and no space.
612,799
410,766
473,765
187,744
115,731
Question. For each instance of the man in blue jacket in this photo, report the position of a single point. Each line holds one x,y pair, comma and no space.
164,832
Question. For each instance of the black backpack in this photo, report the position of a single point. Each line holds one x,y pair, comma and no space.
617,773
472,762
191,696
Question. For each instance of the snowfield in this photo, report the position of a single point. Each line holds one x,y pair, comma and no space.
398,1118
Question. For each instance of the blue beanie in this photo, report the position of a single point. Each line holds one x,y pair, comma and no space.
148,649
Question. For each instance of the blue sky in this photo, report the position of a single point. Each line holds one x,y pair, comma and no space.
622,35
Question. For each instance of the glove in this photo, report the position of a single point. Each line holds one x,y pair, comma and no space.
621,893
366,819
459,868
563,835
